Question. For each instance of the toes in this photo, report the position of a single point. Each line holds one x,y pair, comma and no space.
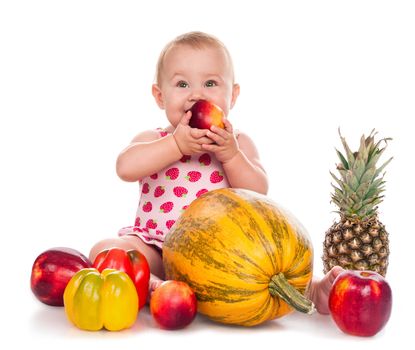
154,284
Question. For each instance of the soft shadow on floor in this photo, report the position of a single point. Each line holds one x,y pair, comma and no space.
52,320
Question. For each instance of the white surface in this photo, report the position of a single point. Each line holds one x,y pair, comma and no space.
75,83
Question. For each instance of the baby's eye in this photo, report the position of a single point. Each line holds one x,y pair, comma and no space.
182,84
211,83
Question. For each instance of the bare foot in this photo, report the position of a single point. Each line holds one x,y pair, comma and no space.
320,290
153,284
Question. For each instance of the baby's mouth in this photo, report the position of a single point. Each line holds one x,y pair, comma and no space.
188,109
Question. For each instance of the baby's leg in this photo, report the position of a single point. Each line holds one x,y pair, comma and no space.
127,242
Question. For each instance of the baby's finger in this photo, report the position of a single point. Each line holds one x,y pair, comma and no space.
198,133
215,137
219,131
186,118
210,148
228,125
199,148
334,272
205,140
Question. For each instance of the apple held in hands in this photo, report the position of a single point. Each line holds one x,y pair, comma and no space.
360,302
205,114
52,271
173,305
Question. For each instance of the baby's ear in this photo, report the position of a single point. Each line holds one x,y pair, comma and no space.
158,95
235,93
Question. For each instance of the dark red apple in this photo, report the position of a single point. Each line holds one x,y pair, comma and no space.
173,305
360,302
52,271
205,114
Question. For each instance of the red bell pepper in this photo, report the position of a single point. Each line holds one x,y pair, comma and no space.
132,262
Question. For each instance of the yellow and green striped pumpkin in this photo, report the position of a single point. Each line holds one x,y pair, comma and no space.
247,259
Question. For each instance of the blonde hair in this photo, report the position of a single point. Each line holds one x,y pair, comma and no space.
196,40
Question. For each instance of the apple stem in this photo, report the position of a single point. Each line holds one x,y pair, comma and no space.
279,287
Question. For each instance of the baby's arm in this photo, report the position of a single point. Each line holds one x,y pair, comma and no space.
319,290
239,158
244,170
146,155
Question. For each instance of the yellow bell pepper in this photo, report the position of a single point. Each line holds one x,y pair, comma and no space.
96,300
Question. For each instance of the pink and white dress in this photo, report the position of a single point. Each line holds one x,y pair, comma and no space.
165,195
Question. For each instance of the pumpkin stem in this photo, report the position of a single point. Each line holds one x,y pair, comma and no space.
279,287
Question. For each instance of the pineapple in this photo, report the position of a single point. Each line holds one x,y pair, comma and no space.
359,240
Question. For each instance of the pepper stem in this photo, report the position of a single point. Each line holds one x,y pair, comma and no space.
279,287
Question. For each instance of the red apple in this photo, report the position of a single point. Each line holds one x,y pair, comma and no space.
360,302
52,271
173,305
205,114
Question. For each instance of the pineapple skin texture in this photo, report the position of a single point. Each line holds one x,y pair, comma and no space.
357,245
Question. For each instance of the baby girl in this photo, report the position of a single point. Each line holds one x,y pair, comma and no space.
176,164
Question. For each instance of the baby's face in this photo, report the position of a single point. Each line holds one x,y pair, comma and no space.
190,74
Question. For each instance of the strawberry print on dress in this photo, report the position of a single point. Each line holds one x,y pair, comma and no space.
159,191
180,191
166,194
216,177
205,159
146,188
193,176
147,207
172,173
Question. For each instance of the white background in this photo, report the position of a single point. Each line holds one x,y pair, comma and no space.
75,80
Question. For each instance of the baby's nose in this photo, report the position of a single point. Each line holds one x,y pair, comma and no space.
195,95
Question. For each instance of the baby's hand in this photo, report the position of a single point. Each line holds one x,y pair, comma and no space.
320,290
190,140
225,145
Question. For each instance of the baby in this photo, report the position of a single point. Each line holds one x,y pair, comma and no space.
177,164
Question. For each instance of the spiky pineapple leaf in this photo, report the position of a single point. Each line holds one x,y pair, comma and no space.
359,168
374,158
362,190
378,171
352,180
337,191
373,192
368,176
342,159
363,149
339,182
343,174
359,186
349,153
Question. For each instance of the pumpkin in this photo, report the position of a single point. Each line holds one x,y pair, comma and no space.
247,259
